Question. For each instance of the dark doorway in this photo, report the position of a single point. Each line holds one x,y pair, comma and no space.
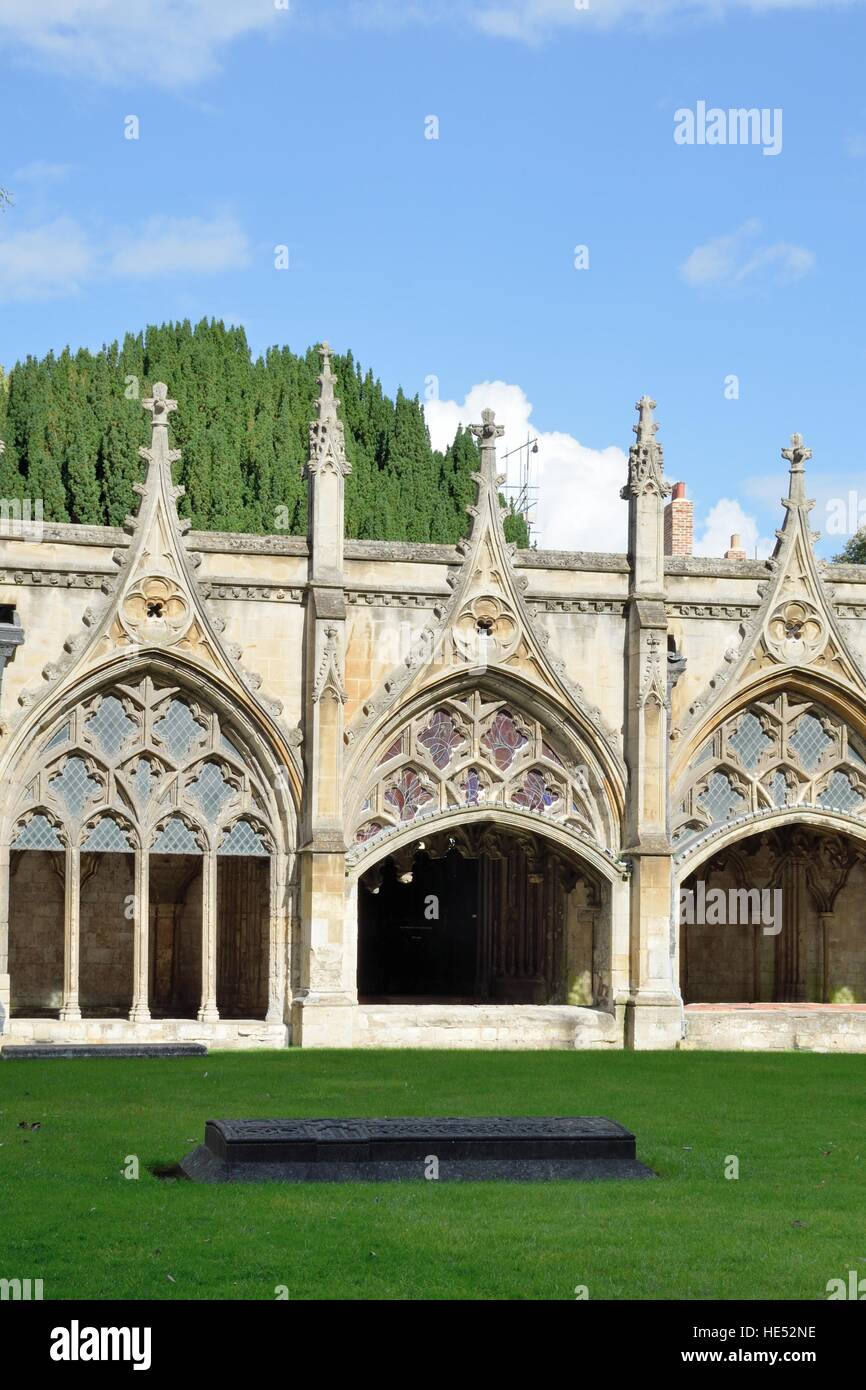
419,938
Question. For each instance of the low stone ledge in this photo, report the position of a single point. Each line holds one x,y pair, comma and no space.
506,1148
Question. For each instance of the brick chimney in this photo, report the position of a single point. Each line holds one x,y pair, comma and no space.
736,551
679,522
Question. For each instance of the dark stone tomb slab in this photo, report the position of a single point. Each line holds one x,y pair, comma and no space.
29,1052
397,1150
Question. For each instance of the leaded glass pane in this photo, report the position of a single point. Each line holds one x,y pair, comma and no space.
178,730
243,839
230,748
810,742
143,778
503,741
777,786
107,837
408,794
211,791
60,737
38,833
750,741
175,838
720,799
840,794
110,727
440,738
74,785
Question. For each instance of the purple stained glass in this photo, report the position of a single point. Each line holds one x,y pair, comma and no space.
473,788
503,740
441,738
408,794
535,794
551,753
392,752
367,832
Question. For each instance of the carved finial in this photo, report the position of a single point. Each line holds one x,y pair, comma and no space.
646,456
487,434
796,456
646,427
159,404
327,441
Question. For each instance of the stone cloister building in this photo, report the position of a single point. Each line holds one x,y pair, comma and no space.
261,791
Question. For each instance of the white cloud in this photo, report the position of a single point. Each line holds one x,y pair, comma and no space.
41,171
579,506
177,42
732,260
530,21
726,519
58,258
47,262
167,245
171,42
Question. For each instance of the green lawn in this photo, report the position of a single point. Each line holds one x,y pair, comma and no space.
793,1220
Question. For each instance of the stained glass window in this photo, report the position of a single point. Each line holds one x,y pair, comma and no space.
551,753
107,837
472,788
74,785
178,730
175,838
367,832
441,737
534,794
110,727
38,833
243,838
408,794
503,741
394,751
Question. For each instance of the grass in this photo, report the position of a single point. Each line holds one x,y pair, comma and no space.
793,1219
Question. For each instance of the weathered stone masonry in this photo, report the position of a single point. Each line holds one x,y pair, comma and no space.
216,751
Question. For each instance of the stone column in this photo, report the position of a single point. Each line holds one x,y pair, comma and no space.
826,924
653,1005
322,1007
69,1008
5,982
140,1011
208,1013
278,941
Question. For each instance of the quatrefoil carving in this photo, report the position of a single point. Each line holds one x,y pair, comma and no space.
156,610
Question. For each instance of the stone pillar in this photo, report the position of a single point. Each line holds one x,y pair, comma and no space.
69,1008
5,982
653,1004
208,1013
278,941
140,1011
826,923
322,1006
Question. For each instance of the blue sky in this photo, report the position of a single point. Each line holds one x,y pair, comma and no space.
453,258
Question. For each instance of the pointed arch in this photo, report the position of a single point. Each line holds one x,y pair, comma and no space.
791,743
492,741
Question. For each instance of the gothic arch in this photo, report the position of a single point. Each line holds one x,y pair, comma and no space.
150,758
495,745
791,745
